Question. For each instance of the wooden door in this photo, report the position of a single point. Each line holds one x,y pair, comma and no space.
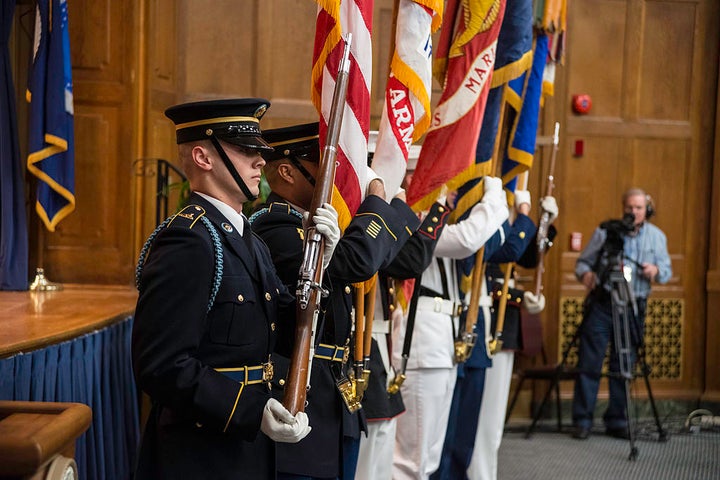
93,244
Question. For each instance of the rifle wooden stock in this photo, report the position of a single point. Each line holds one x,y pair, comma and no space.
359,351
309,287
369,318
465,343
367,334
544,223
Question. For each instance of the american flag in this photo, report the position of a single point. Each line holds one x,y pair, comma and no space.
335,19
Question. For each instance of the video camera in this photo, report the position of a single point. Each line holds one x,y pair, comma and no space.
612,250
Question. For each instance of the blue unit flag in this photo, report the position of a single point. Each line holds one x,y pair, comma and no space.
51,143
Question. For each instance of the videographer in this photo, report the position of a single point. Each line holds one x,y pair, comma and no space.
639,250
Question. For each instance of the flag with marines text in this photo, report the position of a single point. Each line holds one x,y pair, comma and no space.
465,61
514,58
51,142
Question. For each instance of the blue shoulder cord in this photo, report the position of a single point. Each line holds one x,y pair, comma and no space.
217,247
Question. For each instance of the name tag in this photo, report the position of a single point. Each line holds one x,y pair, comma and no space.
627,273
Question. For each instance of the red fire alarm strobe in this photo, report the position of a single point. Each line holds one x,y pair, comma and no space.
581,104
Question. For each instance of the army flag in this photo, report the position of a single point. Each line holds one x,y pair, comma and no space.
51,142
465,61
406,110
335,20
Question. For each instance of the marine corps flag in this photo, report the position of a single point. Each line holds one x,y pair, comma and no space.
51,143
465,61
514,58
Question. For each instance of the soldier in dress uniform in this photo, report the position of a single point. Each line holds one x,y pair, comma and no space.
509,244
209,309
375,234
381,407
431,373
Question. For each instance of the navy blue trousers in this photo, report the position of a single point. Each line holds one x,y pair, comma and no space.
596,331
462,425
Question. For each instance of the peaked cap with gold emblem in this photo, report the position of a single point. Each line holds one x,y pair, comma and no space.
300,141
235,121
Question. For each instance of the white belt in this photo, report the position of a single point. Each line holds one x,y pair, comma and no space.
381,326
440,305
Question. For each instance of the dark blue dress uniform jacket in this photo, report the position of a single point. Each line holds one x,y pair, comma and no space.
202,423
375,234
410,262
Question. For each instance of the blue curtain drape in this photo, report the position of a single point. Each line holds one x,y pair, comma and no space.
13,226
94,369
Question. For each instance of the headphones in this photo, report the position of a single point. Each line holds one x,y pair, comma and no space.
649,204
649,207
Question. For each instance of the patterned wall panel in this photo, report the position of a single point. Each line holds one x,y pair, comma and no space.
663,334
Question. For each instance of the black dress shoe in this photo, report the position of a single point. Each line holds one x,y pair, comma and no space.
581,433
620,432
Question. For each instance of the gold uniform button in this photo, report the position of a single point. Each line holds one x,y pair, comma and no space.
441,209
391,290
281,382
430,229
434,219
347,289
267,296
240,298
517,299
272,326
521,235
391,308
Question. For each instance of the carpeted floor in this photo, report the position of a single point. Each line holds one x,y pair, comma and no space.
548,455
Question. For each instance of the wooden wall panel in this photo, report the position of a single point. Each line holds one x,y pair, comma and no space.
217,39
647,128
598,53
666,63
712,282
92,245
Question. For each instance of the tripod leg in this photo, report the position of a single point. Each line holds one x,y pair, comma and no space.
631,434
623,349
540,409
662,433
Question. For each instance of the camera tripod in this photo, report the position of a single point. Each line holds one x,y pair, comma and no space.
624,318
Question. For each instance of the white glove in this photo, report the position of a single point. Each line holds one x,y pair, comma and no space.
326,223
549,204
281,426
492,184
494,193
532,303
522,196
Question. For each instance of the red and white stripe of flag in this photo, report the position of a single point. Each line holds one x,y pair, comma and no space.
335,19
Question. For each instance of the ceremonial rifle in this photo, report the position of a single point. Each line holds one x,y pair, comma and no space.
309,287
544,224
